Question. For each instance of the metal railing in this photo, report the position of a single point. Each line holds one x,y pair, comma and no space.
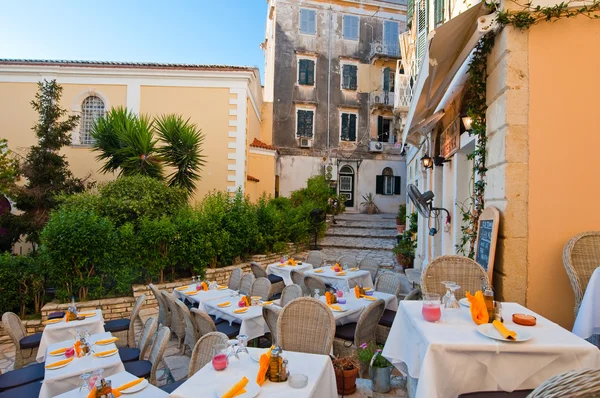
385,48
381,98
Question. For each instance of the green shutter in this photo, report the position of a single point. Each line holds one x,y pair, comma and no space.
438,11
345,126
379,185
302,71
409,12
380,128
386,79
352,128
349,77
397,184
353,77
310,72
305,124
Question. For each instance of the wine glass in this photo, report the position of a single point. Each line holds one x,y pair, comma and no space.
85,388
242,343
447,295
345,266
452,306
193,280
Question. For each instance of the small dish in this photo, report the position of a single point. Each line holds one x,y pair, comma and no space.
50,367
298,380
341,301
138,387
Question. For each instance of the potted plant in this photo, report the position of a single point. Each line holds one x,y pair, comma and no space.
380,369
369,203
346,372
405,249
401,219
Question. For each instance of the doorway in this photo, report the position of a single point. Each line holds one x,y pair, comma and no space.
346,184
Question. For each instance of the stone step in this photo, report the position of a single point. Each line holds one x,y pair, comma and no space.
357,243
363,224
384,257
366,217
363,232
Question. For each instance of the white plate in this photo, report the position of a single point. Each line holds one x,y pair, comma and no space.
138,387
252,390
343,309
255,355
60,366
224,306
465,302
488,330
109,343
107,355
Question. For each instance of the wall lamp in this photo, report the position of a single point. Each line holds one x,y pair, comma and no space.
467,122
427,162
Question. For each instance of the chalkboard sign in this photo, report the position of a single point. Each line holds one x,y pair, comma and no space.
487,235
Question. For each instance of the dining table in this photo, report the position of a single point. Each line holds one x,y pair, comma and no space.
208,382
344,280
251,321
452,357
284,270
58,330
353,307
60,380
587,322
119,379
199,297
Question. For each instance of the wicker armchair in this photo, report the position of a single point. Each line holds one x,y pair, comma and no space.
347,259
125,329
576,383
129,354
164,314
271,314
389,282
306,325
314,283
581,256
277,283
147,369
234,279
315,258
414,295
261,287
191,331
177,321
369,264
26,347
205,325
298,279
246,284
290,293
465,272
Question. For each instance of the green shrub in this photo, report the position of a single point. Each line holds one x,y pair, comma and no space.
158,236
194,247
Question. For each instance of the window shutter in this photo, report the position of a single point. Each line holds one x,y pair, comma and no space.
379,185
347,27
310,72
380,128
302,76
352,128
353,78
439,11
309,124
345,127
397,185
312,21
303,21
386,79
409,13
345,77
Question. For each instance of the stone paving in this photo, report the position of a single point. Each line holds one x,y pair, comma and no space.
362,232
358,242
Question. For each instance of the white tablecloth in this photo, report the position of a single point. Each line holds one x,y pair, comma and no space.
203,295
588,317
356,306
348,281
119,379
318,368
57,332
252,322
285,270
453,359
58,381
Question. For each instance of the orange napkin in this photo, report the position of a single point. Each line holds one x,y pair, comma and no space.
357,291
51,321
479,312
291,262
59,351
266,303
107,341
336,268
191,293
105,353
224,304
335,307
506,333
247,301
240,310
354,269
369,297
318,271
328,298
86,314
204,286
341,273
263,366
58,363
182,288
77,346
233,391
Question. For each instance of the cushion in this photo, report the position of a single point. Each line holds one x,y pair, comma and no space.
387,318
128,354
139,368
274,278
26,390
230,330
169,388
346,332
497,394
31,341
56,315
19,377
215,320
116,325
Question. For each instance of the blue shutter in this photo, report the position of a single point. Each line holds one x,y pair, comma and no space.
308,21
352,128
310,72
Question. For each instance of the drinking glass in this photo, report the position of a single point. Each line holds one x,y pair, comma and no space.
193,280
345,266
447,295
219,359
431,310
242,343
452,306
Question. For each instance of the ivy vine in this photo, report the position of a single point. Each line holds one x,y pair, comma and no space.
527,16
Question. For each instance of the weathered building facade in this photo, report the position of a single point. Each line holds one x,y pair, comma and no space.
329,77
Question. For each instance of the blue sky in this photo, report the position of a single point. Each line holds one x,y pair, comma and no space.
179,31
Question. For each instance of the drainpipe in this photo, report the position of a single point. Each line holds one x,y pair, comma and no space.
329,82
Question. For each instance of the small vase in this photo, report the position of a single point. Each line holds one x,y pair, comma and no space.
381,379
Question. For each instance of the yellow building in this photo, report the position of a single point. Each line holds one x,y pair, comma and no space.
224,101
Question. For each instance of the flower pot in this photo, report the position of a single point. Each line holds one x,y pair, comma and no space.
345,381
371,209
401,228
404,261
381,377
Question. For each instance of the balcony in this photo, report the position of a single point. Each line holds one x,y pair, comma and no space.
402,90
381,99
385,49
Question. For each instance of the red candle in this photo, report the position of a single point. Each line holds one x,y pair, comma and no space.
219,362
431,312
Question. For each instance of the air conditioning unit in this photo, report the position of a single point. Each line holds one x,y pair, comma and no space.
375,146
377,99
305,142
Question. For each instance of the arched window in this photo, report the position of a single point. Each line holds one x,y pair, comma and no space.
387,183
91,109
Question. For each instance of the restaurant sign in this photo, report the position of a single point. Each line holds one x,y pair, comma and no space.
450,139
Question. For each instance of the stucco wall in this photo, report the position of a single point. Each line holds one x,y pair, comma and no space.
366,183
262,167
294,171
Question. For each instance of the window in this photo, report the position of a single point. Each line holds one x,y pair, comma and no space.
388,80
350,24
438,12
387,183
391,42
91,109
308,21
306,72
384,130
304,125
348,127
349,79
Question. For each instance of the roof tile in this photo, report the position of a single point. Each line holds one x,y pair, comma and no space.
259,144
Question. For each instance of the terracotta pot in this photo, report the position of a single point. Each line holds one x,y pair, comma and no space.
345,381
405,262
401,228
371,209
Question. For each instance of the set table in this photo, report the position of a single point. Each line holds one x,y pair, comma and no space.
318,369
284,271
61,331
343,282
355,306
587,322
453,359
118,379
203,296
252,322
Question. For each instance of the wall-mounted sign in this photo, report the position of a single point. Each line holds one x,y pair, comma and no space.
450,139
487,235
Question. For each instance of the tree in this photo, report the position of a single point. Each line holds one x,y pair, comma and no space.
9,167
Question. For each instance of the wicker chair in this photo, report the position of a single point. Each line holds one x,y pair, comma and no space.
234,279
26,347
369,264
246,284
164,314
306,325
351,335
206,325
261,287
147,369
129,354
298,279
290,293
125,329
389,282
581,256
277,283
414,295
314,283
315,258
177,321
576,383
201,355
271,314
347,259
465,272
191,331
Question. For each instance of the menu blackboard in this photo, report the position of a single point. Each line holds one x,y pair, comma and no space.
487,235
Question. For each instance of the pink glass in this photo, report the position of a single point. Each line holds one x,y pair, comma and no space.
431,307
241,304
219,360
339,293
70,352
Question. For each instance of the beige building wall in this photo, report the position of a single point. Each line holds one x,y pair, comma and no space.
261,166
